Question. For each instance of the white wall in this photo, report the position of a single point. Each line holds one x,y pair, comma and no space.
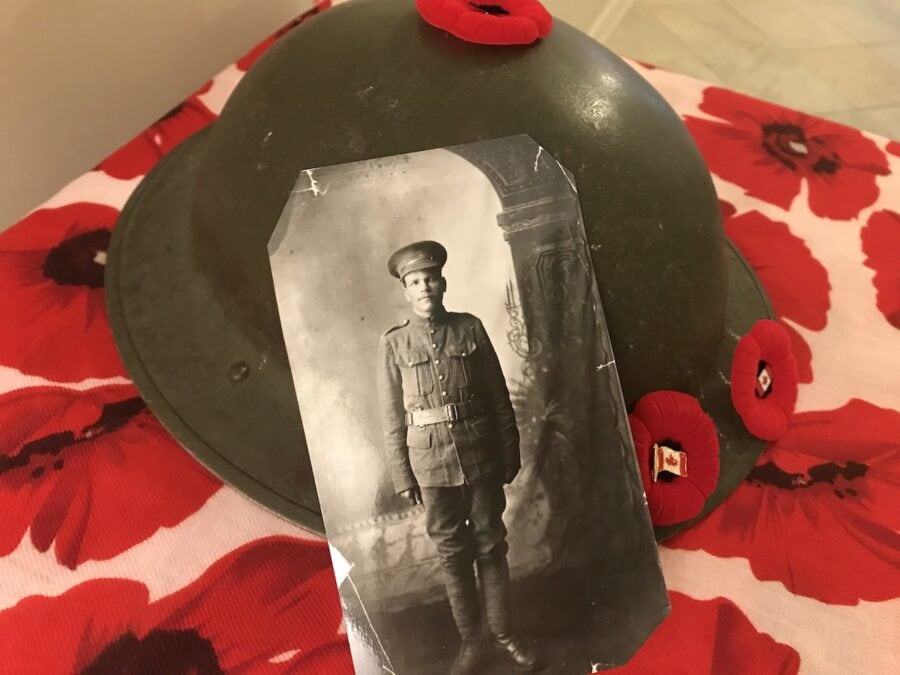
80,77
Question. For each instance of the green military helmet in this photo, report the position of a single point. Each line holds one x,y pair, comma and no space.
190,294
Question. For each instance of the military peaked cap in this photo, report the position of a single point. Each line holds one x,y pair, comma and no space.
418,256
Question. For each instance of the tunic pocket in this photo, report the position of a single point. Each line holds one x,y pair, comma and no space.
415,371
481,427
463,359
418,438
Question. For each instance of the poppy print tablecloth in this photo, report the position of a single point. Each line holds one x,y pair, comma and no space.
117,548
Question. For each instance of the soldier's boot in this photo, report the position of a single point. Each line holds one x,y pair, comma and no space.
463,596
494,577
522,655
470,658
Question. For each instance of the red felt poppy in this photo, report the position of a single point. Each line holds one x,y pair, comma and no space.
675,420
70,466
894,148
710,636
796,283
769,151
821,511
881,244
54,317
138,155
268,607
764,380
489,22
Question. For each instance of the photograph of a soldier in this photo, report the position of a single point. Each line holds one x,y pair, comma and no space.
452,443
463,415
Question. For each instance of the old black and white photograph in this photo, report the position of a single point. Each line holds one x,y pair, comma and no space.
462,409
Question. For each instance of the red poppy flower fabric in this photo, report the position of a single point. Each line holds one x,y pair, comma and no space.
881,244
54,317
676,420
821,511
894,148
138,155
802,354
797,284
765,415
770,151
727,209
491,22
90,473
269,607
247,60
645,64
710,636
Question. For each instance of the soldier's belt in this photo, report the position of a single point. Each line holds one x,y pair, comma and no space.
447,413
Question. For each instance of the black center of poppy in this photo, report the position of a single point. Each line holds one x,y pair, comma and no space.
175,652
495,10
789,144
80,260
826,473
666,476
786,143
829,165
44,454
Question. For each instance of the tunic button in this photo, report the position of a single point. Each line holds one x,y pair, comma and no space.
410,363
450,425
463,353
443,393
432,331
437,361
440,377
434,344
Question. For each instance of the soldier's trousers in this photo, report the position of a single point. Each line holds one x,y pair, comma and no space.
466,525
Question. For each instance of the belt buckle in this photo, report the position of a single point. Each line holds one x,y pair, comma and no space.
452,412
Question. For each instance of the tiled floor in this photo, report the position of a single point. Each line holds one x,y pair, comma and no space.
837,58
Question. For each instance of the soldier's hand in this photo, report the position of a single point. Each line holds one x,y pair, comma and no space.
510,473
413,495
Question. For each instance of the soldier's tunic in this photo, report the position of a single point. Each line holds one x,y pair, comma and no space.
429,363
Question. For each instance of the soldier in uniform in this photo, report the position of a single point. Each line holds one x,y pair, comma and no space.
452,444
